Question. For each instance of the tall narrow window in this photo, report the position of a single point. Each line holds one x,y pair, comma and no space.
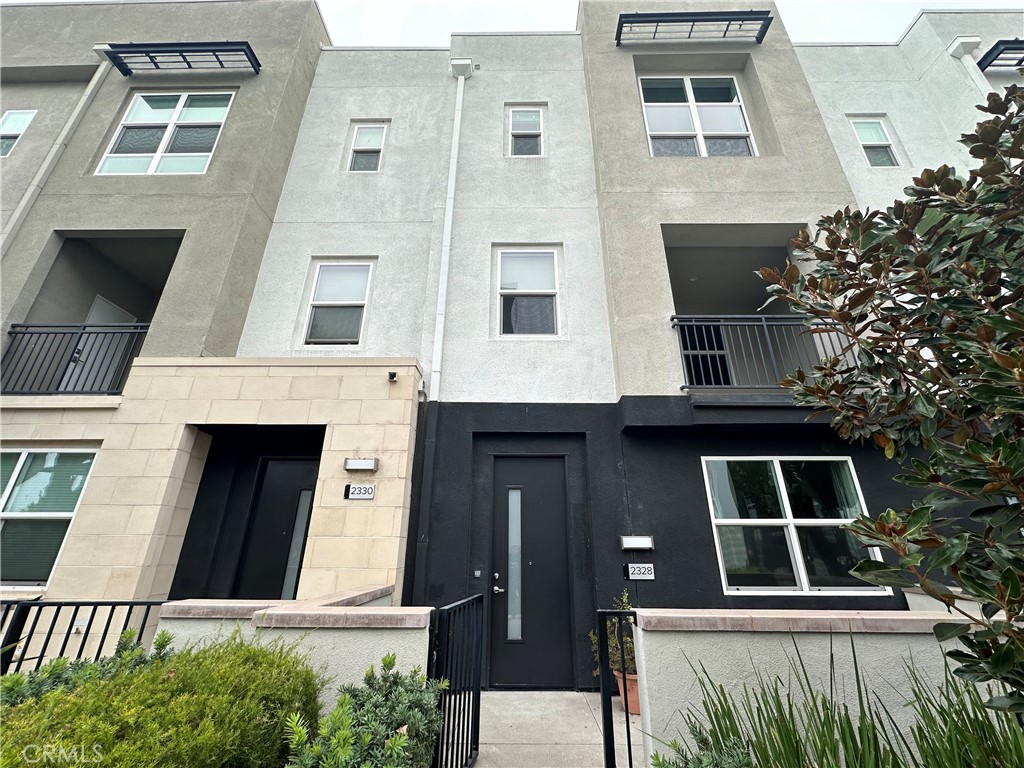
778,524
367,146
695,117
12,126
339,300
527,291
874,140
167,133
526,132
40,492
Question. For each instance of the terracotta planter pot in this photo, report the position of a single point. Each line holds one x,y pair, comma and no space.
632,692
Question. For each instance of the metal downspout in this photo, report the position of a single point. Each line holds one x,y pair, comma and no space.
462,69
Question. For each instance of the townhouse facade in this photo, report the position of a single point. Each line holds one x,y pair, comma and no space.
287,320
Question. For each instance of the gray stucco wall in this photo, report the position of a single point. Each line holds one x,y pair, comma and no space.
394,218
226,212
391,218
926,95
796,177
532,202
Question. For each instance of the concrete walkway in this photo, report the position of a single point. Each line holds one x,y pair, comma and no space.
550,729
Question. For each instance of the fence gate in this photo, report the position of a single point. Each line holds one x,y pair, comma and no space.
456,655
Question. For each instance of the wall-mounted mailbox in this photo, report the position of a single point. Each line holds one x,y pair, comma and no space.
361,465
636,542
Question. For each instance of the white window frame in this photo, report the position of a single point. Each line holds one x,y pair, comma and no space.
790,524
880,121
172,123
553,293
512,133
314,303
17,136
353,150
698,132
5,493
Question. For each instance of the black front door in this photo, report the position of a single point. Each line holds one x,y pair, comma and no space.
531,635
276,533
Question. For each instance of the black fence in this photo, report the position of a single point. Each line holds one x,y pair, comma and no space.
619,624
35,631
456,655
81,359
752,351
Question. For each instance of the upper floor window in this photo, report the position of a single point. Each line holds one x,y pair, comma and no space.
525,132
367,147
527,292
12,125
874,140
167,133
39,493
777,524
339,299
695,117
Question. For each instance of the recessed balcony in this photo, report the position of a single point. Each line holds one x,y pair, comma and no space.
750,351
70,358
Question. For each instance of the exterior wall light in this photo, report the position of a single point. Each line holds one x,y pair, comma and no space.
361,465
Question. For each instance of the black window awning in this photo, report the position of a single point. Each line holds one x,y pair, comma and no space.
176,57
702,25
1005,54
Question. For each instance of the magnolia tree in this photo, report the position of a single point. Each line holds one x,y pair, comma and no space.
929,298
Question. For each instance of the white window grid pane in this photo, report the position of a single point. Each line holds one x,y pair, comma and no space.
368,138
174,119
699,132
791,524
13,125
537,131
314,302
6,493
553,292
882,139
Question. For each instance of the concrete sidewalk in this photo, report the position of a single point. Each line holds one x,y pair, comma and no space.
550,729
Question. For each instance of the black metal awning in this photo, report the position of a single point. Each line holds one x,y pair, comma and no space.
702,25
1005,54
135,57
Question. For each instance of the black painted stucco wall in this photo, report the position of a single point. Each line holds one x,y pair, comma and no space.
631,477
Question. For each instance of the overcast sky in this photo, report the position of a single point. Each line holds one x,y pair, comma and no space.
430,23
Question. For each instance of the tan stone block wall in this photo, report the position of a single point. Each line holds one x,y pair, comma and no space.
126,536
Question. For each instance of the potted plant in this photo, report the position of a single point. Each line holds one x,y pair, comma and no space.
621,659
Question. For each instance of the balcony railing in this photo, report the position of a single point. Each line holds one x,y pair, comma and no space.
61,359
750,351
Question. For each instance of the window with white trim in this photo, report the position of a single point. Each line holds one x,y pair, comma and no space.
338,304
367,147
12,125
527,293
167,133
874,140
526,132
40,494
695,117
777,524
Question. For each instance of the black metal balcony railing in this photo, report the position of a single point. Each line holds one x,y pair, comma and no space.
751,351
70,358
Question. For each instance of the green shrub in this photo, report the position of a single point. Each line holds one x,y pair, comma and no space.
218,705
778,725
391,721
66,674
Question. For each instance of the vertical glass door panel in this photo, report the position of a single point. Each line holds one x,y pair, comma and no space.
298,543
515,565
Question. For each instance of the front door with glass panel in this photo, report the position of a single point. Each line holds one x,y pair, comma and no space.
531,631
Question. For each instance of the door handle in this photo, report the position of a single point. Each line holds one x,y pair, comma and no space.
498,590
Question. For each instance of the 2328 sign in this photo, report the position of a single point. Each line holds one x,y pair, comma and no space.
639,571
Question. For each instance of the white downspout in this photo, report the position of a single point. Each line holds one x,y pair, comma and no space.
462,69
961,48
